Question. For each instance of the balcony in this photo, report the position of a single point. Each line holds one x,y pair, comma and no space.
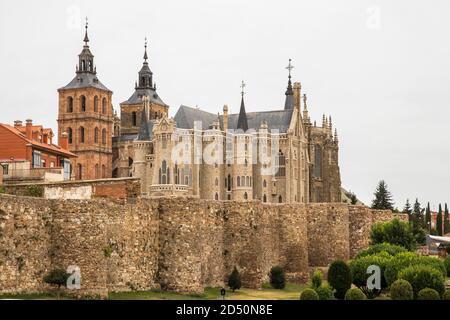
169,189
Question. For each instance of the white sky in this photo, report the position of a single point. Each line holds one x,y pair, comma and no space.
379,67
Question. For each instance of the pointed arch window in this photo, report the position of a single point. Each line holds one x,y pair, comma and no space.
264,198
164,173
245,196
216,183
81,134
95,104
280,199
238,181
96,134
317,161
79,171
264,183
216,196
70,104
83,104
281,164
70,135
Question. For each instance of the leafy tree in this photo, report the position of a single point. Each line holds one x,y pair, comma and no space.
383,198
446,220
57,277
439,221
277,278
394,232
234,281
352,197
428,216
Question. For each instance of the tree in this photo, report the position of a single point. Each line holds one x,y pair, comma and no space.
340,278
407,209
383,198
57,277
277,278
234,281
446,220
394,232
418,223
428,216
439,221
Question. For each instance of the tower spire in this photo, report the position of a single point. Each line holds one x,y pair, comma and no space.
86,38
242,119
289,103
145,53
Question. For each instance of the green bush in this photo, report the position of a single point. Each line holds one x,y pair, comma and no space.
423,276
234,281
394,232
391,249
57,277
2,189
325,292
446,295
34,191
428,294
359,267
339,278
277,278
407,259
309,294
355,294
447,265
316,280
401,290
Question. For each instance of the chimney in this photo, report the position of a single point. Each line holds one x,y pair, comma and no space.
29,130
17,123
297,94
64,141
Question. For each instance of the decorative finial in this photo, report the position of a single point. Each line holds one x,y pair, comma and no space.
86,38
290,67
145,54
335,135
304,101
242,88
330,124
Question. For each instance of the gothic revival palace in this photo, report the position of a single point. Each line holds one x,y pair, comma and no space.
274,156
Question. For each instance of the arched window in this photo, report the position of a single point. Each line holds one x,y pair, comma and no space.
245,196
217,182
83,65
281,164
79,171
104,106
216,196
264,183
264,198
134,119
96,134
229,197
83,104
130,161
103,171
95,104
97,171
246,162
70,135
69,104
164,173
317,161
229,183
238,181
103,136
177,174
81,134
248,181
243,181
280,199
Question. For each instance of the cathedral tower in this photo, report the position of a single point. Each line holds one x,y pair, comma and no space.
86,116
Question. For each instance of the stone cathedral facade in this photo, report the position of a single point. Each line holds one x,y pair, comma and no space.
277,156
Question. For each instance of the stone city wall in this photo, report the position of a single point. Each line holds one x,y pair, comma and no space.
177,244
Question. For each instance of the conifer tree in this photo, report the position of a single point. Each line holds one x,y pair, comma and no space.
383,198
418,219
446,220
428,216
439,221
407,209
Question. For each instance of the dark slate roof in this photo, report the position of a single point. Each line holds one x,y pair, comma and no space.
186,116
242,119
128,137
276,120
289,103
85,80
140,92
146,131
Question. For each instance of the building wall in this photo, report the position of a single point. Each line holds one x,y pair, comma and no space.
177,244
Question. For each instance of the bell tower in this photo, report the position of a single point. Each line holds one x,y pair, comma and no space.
86,116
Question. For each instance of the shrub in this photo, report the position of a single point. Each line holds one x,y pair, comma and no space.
391,249
2,189
394,232
355,294
407,259
309,294
446,295
316,280
428,294
401,290
325,292
447,265
34,191
277,278
234,281
57,277
423,276
340,278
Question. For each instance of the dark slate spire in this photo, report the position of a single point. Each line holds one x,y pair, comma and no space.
289,103
242,119
144,131
145,74
86,58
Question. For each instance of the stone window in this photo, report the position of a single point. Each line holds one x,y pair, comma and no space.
238,181
133,119
70,104
317,162
103,136
104,105
79,171
83,104
70,135
96,134
229,183
95,104
229,197
97,171
264,183
281,165
264,198
217,182
81,133
216,196
280,199
245,196
103,171
164,173
248,181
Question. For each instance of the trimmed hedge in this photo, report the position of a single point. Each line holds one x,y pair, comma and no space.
423,276
359,267
339,278
355,294
402,290
447,265
446,295
325,292
391,249
407,259
277,278
428,294
395,232
309,294
316,279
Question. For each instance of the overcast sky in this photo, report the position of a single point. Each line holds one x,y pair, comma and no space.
379,67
